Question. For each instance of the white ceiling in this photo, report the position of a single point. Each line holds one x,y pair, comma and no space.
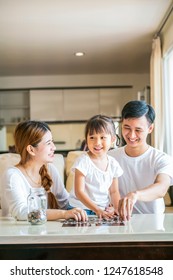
40,37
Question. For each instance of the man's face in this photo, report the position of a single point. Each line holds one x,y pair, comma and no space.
135,130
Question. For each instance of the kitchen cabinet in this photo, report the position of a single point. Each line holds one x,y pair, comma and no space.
14,106
112,100
53,105
64,105
80,104
67,136
46,105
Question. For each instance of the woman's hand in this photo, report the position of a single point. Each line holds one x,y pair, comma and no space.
76,213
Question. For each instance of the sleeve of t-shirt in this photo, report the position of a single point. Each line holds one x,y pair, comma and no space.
116,168
165,165
15,194
81,164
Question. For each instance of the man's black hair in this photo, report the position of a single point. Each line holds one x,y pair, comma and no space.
137,109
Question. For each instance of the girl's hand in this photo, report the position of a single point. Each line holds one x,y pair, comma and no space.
104,214
111,210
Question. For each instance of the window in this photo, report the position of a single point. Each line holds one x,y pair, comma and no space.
168,102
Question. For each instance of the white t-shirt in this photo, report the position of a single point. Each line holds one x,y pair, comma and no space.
140,172
97,182
15,191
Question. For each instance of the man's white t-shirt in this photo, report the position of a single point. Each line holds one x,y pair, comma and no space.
140,172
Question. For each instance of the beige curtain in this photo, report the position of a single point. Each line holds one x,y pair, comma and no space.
156,93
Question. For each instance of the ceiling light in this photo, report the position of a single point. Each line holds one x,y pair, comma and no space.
79,54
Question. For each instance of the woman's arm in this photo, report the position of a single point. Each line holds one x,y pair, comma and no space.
58,188
75,213
62,196
15,191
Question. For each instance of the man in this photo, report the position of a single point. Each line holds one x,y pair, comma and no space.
147,171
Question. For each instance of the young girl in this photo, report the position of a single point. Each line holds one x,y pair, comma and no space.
96,173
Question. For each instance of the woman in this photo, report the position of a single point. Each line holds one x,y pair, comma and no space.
33,141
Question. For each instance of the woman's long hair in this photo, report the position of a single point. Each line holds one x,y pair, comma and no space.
31,133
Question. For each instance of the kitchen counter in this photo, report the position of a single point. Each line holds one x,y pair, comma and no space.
143,237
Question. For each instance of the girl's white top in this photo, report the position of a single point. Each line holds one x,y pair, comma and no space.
97,182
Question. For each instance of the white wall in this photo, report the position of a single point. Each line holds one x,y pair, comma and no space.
138,81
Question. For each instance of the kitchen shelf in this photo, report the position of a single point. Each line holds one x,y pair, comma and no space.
8,107
14,106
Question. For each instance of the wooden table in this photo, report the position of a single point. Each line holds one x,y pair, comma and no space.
143,237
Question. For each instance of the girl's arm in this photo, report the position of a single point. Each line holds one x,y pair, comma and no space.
114,194
79,186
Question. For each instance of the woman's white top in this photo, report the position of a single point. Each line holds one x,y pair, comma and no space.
16,188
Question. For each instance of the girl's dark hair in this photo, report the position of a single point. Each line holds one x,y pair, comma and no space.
31,133
99,124
137,109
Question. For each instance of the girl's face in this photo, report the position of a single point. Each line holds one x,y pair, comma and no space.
99,143
44,152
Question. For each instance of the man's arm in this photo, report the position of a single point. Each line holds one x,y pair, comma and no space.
156,190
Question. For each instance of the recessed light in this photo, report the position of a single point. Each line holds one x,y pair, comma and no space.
79,54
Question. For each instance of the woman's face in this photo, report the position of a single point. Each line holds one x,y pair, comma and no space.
45,149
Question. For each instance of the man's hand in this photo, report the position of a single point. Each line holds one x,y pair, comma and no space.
126,206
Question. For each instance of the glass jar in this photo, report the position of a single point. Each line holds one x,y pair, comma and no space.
37,206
